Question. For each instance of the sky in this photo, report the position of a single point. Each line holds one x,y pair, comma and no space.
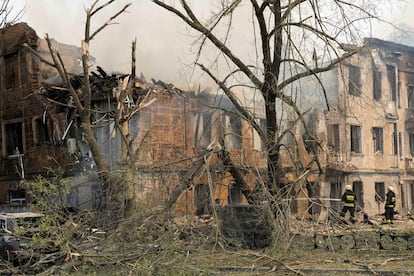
163,43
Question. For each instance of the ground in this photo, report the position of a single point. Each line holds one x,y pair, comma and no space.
160,245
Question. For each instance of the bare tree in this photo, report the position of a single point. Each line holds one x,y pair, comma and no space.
8,15
82,95
293,40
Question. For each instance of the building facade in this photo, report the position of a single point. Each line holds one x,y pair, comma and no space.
368,131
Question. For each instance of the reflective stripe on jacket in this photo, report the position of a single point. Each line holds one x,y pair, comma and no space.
349,199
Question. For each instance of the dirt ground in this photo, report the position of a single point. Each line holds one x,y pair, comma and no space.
199,250
193,246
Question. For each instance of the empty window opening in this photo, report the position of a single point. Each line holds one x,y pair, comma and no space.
335,193
412,194
40,131
410,95
356,139
411,138
314,204
235,195
333,137
258,143
11,76
13,134
359,192
395,139
392,81
202,129
377,86
233,131
354,80
379,192
202,199
377,136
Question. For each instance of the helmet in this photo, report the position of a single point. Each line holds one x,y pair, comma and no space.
348,187
390,188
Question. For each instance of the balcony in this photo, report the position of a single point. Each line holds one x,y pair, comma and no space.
336,161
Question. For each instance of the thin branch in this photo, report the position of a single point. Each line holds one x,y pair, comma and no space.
109,21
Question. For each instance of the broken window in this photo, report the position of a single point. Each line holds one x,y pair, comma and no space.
356,139
377,136
336,192
202,129
233,131
13,139
11,76
235,195
40,131
333,137
376,81
379,191
258,144
24,69
392,81
314,206
395,139
410,95
17,196
359,192
411,137
202,199
412,194
354,80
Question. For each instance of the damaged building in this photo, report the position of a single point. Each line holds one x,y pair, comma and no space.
171,139
368,131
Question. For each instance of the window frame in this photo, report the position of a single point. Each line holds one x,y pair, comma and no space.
378,138
6,137
354,80
356,139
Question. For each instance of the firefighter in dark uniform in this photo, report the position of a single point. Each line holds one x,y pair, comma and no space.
390,205
349,202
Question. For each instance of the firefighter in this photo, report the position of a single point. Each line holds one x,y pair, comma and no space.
349,202
390,205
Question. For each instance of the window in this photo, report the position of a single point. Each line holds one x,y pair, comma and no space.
395,139
379,191
235,195
377,136
336,193
359,192
202,199
13,139
258,144
356,139
17,196
410,95
400,144
314,206
412,194
202,129
411,137
392,81
40,131
333,137
11,77
376,81
354,80
233,131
